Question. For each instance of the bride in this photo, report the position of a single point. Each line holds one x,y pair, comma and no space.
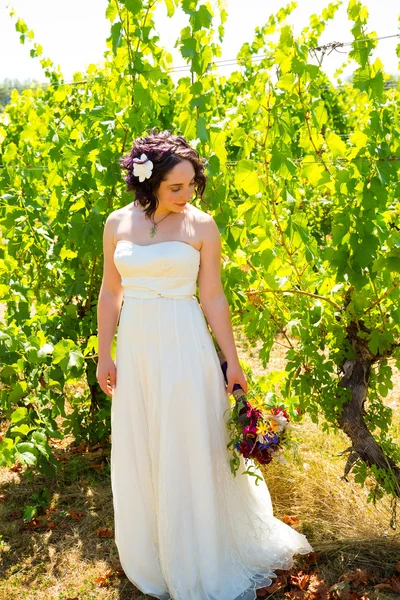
185,527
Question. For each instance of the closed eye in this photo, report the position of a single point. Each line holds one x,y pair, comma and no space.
178,189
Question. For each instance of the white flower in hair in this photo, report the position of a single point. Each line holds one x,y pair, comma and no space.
142,169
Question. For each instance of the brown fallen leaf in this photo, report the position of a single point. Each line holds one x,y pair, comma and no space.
290,520
279,584
105,532
96,467
103,581
115,572
357,577
32,524
317,589
109,577
395,583
77,516
82,447
296,594
382,586
300,580
17,467
340,590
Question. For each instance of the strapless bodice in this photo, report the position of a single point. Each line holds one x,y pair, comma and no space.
167,269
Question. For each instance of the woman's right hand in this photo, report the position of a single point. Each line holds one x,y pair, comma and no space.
106,374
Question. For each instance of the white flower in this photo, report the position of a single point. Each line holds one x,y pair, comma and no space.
143,169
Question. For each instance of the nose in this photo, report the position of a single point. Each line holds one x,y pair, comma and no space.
186,197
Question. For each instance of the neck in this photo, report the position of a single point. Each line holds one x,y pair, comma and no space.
159,214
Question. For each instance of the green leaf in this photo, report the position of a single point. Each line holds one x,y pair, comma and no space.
170,7
378,342
370,79
21,26
111,11
201,129
19,415
18,391
336,144
246,177
286,82
319,114
30,512
134,6
315,314
201,18
40,438
26,452
189,48
315,173
282,163
116,36
68,355
22,429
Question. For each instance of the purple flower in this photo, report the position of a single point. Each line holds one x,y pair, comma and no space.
245,448
250,429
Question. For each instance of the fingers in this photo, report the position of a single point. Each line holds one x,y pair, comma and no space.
105,386
230,385
108,383
111,382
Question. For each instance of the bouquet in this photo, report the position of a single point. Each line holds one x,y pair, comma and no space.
256,431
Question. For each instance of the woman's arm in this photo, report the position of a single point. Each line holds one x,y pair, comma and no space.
108,310
215,304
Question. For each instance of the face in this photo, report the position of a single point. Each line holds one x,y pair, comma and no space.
178,188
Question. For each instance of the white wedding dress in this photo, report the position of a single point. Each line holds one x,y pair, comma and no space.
185,527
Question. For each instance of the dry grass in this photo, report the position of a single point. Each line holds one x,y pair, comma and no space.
67,560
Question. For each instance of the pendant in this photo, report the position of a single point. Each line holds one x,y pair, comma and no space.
153,231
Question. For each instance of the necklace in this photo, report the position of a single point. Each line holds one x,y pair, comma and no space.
154,227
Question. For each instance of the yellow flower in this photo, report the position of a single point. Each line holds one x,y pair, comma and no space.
257,403
262,429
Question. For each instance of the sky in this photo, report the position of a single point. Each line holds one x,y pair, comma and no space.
73,33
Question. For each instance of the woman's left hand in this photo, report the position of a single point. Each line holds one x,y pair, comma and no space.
234,374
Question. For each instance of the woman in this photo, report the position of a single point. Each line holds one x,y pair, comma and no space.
185,527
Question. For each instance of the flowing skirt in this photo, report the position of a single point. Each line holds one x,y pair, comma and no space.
185,527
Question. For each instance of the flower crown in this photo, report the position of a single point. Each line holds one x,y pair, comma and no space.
142,168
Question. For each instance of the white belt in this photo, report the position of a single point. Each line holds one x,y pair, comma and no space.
148,293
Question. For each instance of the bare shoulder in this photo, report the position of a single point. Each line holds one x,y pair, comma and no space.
206,226
113,221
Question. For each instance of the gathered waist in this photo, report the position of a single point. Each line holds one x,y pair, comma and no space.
130,292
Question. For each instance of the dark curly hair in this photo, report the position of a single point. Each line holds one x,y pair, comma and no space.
165,150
